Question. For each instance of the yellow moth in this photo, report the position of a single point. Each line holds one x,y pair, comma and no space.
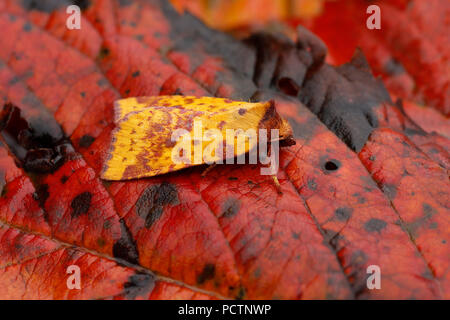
161,134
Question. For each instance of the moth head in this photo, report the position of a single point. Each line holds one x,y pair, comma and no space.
286,134
272,120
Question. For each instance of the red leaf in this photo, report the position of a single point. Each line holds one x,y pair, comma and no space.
411,51
356,187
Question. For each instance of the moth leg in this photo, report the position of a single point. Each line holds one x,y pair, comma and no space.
208,169
277,184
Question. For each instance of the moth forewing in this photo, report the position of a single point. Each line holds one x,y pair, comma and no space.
206,130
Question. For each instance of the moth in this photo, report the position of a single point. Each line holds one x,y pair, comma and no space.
159,134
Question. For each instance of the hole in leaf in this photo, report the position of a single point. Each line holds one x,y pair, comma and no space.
332,165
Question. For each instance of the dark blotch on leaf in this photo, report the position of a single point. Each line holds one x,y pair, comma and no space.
230,208
101,242
103,53
125,3
42,5
346,99
343,214
375,225
81,204
150,204
358,258
41,194
312,185
390,190
288,87
125,247
240,294
394,67
4,191
52,5
433,225
27,26
138,285
102,82
361,200
358,276
86,141
83,4
14,80
37,142
207,273
332,238
428,210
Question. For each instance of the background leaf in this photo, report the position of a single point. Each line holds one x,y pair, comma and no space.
365,184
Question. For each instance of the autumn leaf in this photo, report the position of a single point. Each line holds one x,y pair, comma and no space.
232,14
364,185
410,51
